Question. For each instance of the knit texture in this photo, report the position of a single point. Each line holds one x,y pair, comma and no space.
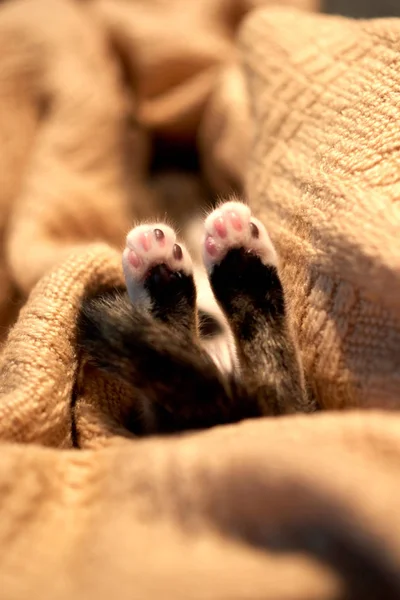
324,176
301,113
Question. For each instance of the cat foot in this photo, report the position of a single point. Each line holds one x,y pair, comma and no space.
232,226
153,257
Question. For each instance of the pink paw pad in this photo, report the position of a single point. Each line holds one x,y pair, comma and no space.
233,226
134,259
211,246
148,246
220,227
236,221
145,239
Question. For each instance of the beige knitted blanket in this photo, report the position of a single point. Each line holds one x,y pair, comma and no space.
300,110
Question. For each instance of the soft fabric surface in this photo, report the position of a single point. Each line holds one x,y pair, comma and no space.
300,110
325,177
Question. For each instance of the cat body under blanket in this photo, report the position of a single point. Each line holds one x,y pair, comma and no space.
149,334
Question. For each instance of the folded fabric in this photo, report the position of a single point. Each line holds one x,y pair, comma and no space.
324,177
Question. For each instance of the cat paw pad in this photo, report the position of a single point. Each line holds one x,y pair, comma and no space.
230,226
148,246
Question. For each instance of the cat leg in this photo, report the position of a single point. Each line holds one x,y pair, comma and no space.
159,275
147,338
243,269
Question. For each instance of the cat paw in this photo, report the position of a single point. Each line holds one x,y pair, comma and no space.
148,247
231,226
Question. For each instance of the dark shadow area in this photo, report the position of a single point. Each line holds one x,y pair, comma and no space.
362,9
